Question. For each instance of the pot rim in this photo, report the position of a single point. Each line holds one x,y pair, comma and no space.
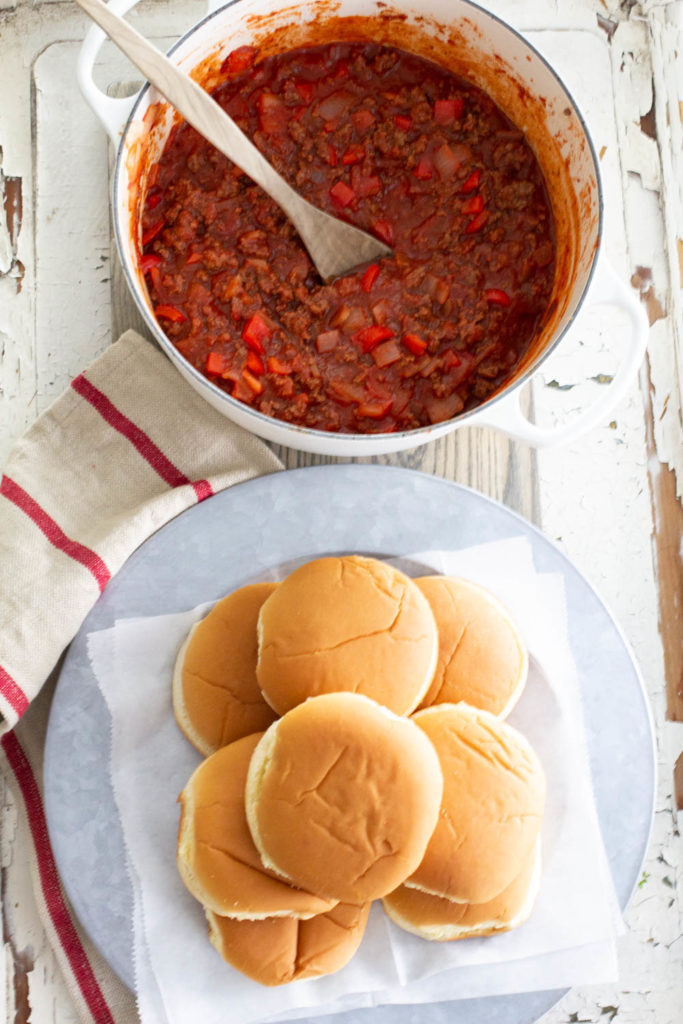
367,438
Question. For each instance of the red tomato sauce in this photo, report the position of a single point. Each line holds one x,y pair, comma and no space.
396,145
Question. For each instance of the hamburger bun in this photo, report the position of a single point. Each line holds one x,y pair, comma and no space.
280,949
216,698
493,796
482,657
347,623
442,920
217,859
342,797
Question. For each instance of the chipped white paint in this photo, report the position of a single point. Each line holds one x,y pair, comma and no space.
594,495
666,39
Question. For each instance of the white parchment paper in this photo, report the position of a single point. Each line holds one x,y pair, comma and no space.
570,937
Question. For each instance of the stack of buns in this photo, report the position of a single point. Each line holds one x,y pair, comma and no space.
352,721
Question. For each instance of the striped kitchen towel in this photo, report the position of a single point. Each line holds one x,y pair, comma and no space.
125,449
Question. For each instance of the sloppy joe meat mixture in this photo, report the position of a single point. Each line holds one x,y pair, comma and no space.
400,147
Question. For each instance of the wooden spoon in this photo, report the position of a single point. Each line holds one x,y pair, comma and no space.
334,246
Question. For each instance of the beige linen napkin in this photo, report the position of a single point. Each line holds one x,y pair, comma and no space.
127,447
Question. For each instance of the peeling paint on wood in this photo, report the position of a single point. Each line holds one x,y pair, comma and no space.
11,209
639,151
678,783
667,517
648,124
607,25
19,962
642,280
22,963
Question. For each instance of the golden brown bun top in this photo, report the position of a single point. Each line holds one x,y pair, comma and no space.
482,657
410,907
216,696
280,949
342,797
348,623
217,858
493,797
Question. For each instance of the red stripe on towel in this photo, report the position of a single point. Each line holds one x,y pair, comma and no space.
202,489
49,882
54,533
12,693
138,438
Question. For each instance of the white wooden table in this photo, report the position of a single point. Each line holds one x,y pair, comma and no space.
611,500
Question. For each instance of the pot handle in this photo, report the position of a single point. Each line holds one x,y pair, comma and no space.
506,415
113,113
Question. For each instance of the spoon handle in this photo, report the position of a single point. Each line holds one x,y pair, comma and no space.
211,121
189,99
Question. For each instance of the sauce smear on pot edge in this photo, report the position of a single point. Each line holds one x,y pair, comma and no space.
396,145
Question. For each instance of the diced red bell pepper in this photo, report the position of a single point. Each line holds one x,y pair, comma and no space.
215,363
152,232
155,278
475,204
332,155
383,230
472,182
446,111
342,195
424,170
305,90
362,119
374,410
402,122
255,363
254,383
149,261
276,365
369,337
369,277
497,296
364,185
171,313
415,344
153,198
353,155
255,332
239,60
477,223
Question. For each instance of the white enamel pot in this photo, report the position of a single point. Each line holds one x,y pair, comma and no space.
477,46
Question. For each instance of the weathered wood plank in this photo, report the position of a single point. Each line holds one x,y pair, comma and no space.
654,224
